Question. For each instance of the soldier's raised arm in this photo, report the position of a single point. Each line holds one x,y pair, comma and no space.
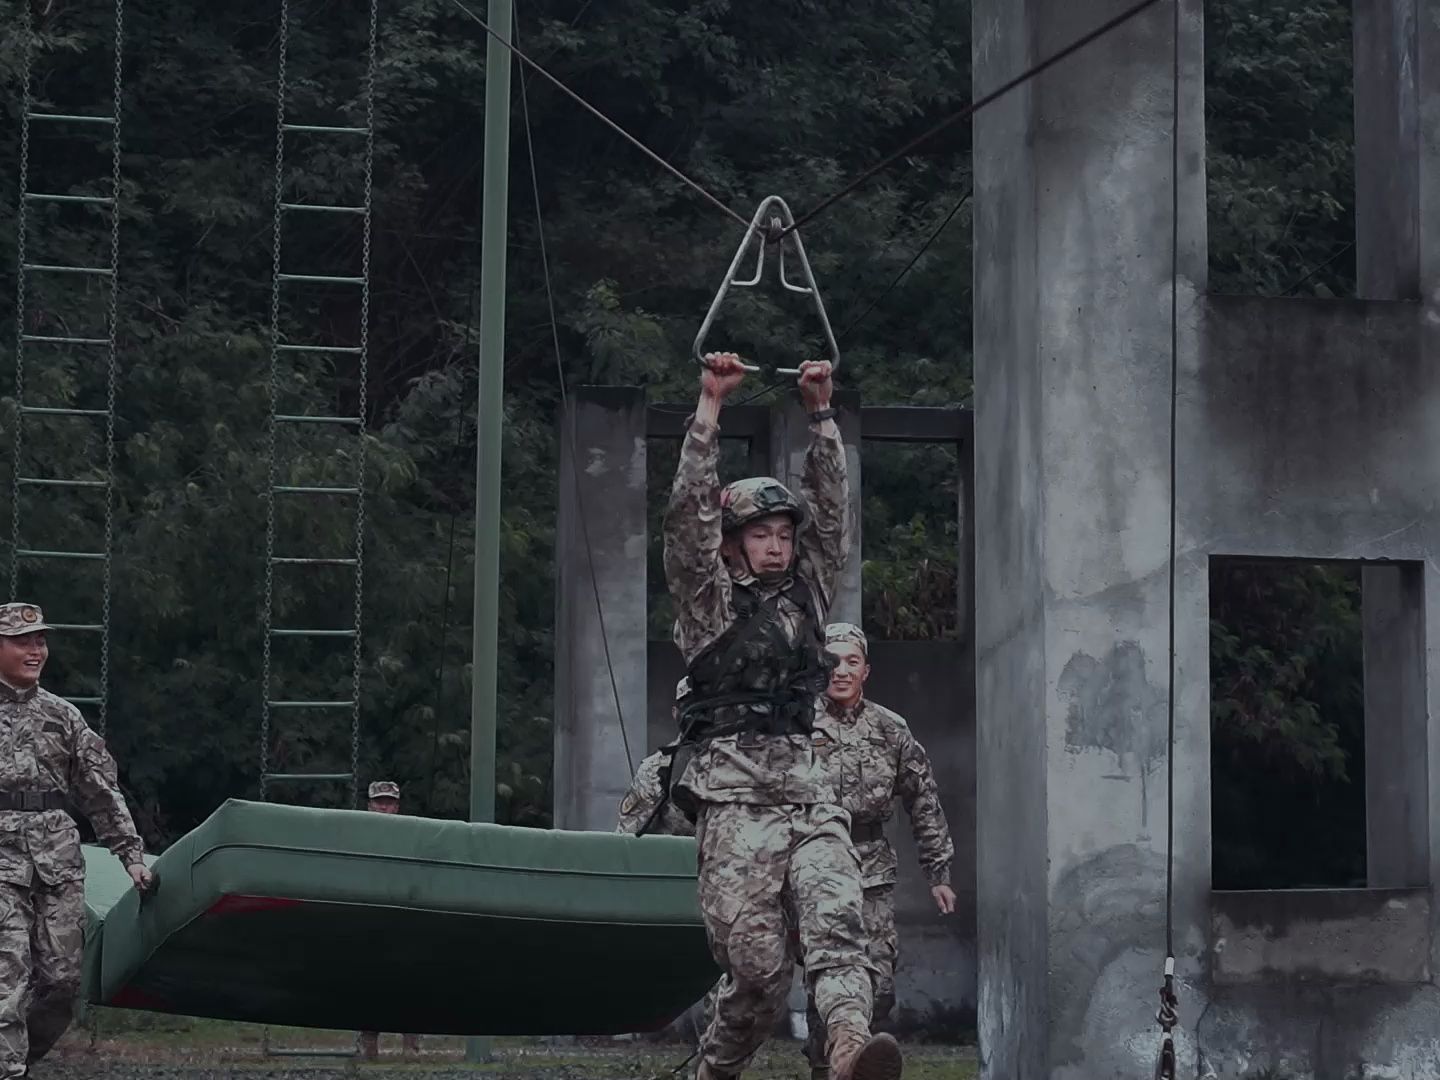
95,787
694,568
824,541
921,798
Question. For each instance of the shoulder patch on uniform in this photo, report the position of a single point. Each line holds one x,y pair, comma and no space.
628,804
55,726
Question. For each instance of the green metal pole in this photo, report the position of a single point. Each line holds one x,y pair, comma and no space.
489,414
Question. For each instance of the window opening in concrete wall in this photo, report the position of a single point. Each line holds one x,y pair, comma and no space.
1279,118
661,458
1287,710
910,540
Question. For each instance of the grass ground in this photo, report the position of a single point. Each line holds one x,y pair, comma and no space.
128,1046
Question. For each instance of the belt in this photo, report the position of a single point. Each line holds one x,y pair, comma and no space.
33,801
865,832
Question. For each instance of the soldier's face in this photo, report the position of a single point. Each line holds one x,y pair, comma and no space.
847,678
769,544
22,658
384,806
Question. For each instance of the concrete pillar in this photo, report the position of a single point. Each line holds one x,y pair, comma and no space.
606,507
789,440
1397,829
1072,346
1387,150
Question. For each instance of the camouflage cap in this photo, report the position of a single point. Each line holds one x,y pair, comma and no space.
16,619
847,632
748,500
384,789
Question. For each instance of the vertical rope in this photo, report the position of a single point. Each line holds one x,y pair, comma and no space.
1168,1015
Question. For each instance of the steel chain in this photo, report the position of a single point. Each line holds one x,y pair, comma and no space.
112,369
361,409
21,223
274,395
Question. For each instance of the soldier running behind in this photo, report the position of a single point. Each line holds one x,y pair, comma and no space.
49,758
753,570
877,760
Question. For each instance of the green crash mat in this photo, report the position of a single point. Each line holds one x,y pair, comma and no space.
105,883
347,919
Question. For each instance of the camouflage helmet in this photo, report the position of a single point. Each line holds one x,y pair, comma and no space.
749,500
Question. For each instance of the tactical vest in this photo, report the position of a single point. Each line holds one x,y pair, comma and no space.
753,678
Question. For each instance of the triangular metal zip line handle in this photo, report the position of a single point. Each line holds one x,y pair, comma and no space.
779,230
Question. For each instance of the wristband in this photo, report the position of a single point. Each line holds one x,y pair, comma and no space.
821,415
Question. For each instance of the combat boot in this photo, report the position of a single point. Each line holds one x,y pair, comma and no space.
854,1057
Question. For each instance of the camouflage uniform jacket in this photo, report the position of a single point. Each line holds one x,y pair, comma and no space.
45,745
745,768
645,794
877,759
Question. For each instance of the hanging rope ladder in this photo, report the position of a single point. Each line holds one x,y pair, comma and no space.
51,331
293,561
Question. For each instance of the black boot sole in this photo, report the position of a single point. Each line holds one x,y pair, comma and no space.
879,1059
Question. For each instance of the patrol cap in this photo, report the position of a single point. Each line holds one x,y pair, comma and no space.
838,632
17,618
384,789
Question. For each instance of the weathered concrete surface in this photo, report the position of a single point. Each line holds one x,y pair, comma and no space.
591,766
1327,936
1305,429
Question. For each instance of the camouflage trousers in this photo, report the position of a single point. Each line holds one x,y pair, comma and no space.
42,942
883,946
751,859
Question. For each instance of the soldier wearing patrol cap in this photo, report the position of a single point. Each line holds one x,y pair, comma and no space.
752,568
877,760
49,759
383,797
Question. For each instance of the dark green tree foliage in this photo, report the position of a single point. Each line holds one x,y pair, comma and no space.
748,100
1279,121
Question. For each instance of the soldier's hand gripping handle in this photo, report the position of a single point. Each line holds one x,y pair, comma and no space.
143,877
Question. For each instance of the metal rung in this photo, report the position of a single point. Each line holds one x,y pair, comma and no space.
322,209
311,704
34,553
313,633
293,489
313,562
293,419
324,279
90,628
42,481
101,271
348,350
89,200
42,410
327,130
307,776
85,700
53,340
74,119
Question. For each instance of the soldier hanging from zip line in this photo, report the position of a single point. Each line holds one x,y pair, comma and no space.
753,571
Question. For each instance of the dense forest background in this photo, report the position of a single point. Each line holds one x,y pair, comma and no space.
748,99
